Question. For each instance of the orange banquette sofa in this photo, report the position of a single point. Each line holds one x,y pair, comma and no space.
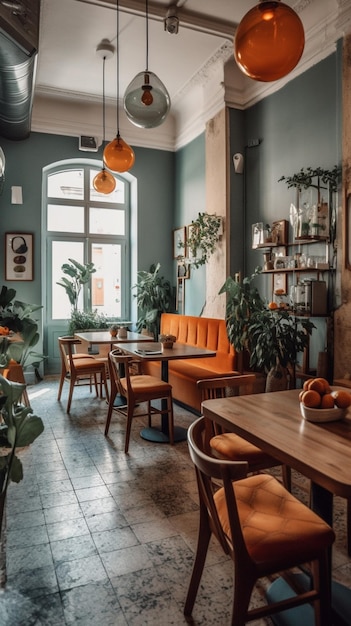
203,332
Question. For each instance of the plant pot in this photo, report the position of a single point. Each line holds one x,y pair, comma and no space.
167,344
277,378
113,333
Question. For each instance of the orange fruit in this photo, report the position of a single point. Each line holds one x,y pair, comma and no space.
312,399
301,394
319,384
272,306
342,399
327,401
306,384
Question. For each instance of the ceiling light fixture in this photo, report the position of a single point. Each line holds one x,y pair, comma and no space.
104,181
118,155
146,100
269,41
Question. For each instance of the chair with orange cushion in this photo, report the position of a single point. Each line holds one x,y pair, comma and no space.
230,446
78,367
263,528
137,388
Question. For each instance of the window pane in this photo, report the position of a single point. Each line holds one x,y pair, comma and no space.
66,184
62,251
106,281
65,218
106,221
116,196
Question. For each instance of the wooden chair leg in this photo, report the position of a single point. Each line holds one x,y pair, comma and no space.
130,413
203,541
348,525
286,476
170,420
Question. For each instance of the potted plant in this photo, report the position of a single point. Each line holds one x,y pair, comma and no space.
78,275
204,234
16,318
18,428
271,337
154,296
167,340
114,328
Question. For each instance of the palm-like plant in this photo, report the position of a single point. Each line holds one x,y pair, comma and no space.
78,275
154,296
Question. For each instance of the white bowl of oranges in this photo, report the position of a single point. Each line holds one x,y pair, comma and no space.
321,403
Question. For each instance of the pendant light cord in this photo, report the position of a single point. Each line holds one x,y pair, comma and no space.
103,106
147,33
117,50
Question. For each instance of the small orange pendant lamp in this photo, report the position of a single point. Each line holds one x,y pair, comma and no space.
118,155
269,41
104,182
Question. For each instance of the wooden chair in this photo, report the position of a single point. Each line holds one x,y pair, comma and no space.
136,389
230,446
78,367
263,528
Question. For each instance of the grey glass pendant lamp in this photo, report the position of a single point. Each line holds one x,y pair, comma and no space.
146,99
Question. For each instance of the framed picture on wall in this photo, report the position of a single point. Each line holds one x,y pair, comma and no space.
179,242
18,256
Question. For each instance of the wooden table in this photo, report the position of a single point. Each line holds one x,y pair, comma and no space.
96,337
321,452
179,351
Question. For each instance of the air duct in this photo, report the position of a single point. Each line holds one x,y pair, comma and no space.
19,37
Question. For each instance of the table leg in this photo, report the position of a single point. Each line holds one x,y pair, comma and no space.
157,435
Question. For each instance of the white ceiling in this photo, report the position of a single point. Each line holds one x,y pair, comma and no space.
70,30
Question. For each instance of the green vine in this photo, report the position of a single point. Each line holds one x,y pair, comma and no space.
202,239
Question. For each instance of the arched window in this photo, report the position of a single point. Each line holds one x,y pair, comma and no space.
87,226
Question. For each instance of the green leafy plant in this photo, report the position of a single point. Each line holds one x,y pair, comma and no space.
243,300
17,317
309,177
154,296
18,428
203,237
272,338
87,320
79,274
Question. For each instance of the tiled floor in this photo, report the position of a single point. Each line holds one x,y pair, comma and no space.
95,537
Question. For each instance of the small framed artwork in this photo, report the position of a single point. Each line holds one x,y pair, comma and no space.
18,256
183,270
280,284
280,231
179,242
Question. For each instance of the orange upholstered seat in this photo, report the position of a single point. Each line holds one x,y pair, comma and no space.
263,528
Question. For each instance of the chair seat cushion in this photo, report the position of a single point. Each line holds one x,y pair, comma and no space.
235,448
87,364
277,528
82,355
144,383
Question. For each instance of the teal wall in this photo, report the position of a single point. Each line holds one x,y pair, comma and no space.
155,198
190,200
298,126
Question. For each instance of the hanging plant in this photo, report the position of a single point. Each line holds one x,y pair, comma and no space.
304,178
203,236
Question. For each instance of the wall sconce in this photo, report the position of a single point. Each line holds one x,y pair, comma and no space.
16,195
238,161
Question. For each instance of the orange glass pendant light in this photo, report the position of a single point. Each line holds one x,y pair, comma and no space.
269,41
104,182
118,155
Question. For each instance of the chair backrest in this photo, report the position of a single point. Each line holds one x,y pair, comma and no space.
212,388
66,347
119,361
209,472
226,385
